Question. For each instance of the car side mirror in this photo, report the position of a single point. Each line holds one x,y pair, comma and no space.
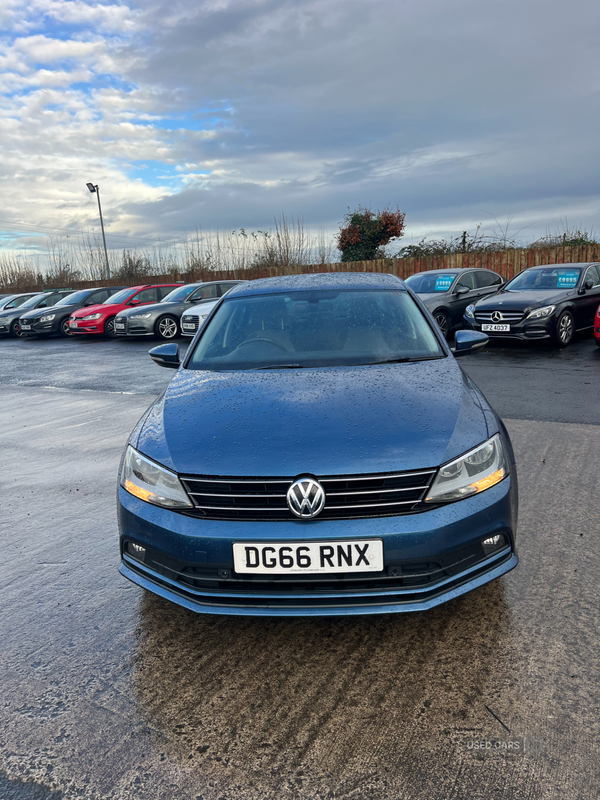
134,302
468,342
462,290
167,355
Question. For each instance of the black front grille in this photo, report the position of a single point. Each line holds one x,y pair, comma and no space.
189,319
346,496
507,316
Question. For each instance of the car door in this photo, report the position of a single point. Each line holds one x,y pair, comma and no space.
587,302
144,297
459,298
205,293
487,283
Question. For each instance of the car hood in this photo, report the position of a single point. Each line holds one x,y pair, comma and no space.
522,301
201,308
35,313
101,307
331,421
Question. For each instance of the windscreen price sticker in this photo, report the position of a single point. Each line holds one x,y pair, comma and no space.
293,558
567,280
443,283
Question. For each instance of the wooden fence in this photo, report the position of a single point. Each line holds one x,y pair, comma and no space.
506,262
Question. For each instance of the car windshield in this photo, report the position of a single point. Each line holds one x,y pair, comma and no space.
429,282
33,301
315,329
119,297
536,280
73,299
178,295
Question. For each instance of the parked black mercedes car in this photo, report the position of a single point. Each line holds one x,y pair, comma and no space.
44,321
551,302
9,318
447,292
163,319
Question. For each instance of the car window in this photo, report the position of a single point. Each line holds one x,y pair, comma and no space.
484,278
49,300
314,329
467,280
538,279
162,291
177,295
427,282
592,275
32,302
98,297
120,297
225,287
147,295
207,292
74,298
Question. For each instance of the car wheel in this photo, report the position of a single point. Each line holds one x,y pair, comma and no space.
443,323
565,329
15,328
64,329
167,328
109,327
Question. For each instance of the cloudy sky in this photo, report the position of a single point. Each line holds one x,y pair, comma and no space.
223,114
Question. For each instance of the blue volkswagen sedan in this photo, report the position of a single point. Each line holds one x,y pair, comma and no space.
318,451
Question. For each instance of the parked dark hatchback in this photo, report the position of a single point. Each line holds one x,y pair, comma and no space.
447,292
318,451
55,319
164,319
10,318
548,302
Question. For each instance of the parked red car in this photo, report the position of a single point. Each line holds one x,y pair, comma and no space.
597,326
100,319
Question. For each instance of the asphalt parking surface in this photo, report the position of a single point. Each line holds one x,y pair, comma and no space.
110,692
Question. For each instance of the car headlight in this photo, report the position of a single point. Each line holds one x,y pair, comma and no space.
150,482
47,318
541,312
142,316
470,312
92,316
202,317
473,472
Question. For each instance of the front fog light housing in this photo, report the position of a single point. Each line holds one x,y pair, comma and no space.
470,312
538,313
474,472
151,482
47,318
493,543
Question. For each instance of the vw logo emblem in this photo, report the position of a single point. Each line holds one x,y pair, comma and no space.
497,316
306,498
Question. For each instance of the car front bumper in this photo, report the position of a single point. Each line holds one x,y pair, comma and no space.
429,558
39,328
134,327
525,330
88,326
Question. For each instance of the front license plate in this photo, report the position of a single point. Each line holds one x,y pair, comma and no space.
495,328
294,558
119,325
188,325
72,324
25,327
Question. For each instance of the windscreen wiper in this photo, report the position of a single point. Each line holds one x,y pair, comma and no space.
402,360
281,366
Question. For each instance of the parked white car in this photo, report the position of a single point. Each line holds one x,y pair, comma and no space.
194,318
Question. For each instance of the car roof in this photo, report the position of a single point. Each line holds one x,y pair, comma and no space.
458,270
578,264
325,281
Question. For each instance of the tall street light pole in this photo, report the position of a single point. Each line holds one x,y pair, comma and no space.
95,189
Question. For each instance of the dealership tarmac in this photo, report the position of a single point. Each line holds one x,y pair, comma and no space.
109,692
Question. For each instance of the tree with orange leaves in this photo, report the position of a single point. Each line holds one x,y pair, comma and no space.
364,233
